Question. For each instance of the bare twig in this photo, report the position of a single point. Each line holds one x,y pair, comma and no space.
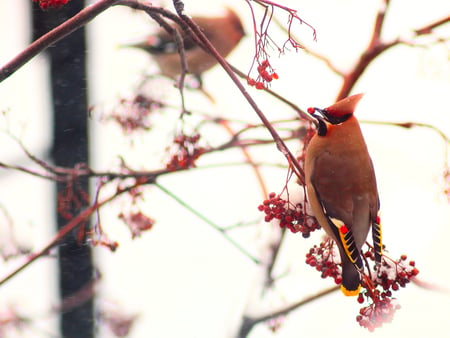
209,222
376,47
281,146
56,34
303,114
409,125
65,230
250,322
428,29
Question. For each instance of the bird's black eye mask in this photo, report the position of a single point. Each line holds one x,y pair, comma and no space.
322,116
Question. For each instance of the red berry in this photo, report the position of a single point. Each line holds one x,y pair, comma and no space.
259,85
311,110
360,298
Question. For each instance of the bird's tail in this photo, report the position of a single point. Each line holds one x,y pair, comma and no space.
351,279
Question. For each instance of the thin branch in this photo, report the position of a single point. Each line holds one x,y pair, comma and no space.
291,12
316,55
250,322
303,114
409,125
378,25
157,14
428,29
67,229
249,159
281,146
209,222
56,34
274,253
376,47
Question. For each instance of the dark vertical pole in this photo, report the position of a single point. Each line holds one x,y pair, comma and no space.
70,146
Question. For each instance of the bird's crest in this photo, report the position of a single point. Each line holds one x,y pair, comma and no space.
345,106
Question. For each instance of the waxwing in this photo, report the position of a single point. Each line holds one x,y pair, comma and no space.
224,32
342,188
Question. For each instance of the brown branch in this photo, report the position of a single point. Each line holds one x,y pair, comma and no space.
67,229
250,161
409,125
56,34
376,47
378,26
292,12
156,14
309,51
365,59
281,146
304,115
274,253
250,322
429,28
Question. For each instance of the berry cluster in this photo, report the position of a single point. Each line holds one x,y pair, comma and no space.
45,4
289,215
377,285
380,311
101,239
71,199
185,152
395,274
388,277
325,259
265,75
132,115
137,222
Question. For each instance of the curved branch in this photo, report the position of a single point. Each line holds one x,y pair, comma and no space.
281,146
67,229
376,47
56,34
250,322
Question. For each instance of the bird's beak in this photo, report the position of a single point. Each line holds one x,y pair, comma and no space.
317,114
141,45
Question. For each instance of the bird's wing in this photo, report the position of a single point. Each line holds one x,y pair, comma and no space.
334,180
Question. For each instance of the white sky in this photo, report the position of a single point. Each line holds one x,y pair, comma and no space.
182,277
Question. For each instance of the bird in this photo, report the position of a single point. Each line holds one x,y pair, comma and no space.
224,32
341,187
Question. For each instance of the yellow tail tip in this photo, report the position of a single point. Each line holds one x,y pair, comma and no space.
350,293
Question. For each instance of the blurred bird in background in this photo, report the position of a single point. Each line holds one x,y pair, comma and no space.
224,32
